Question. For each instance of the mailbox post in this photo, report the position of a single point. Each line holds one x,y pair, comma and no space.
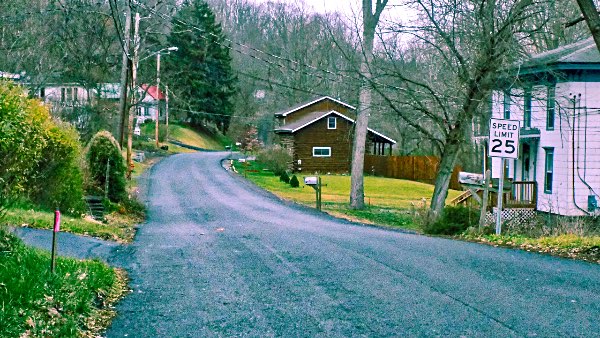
315,183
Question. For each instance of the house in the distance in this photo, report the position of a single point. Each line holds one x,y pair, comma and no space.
556,98
152,99
319,134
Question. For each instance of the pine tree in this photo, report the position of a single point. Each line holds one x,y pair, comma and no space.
200,71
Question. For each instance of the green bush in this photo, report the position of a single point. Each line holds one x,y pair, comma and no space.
294,182
284,177
102,151
454,220
59,179
23,125
276,159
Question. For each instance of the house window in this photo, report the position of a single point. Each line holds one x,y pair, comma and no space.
43,92
506,104
527,108
62,94
551,107
321,151
331,122
75,94
549,170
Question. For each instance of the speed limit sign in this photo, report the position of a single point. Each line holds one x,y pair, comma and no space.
504,138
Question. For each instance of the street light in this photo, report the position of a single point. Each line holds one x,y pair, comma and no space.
134,76
169,49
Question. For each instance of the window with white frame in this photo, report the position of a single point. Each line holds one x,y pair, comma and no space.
321,151
331,122
527,108
549,170
551,107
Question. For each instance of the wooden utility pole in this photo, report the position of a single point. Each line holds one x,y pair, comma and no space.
157,97
124,76
590,14
167,111
484,202
132,108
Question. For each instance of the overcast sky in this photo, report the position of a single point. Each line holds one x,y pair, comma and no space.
346,7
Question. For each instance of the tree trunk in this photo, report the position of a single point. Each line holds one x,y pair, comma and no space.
450,154
590,13
357,191
370,19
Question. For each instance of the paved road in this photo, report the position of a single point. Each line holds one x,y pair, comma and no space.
219,258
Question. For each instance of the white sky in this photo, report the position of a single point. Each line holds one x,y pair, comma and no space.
348,8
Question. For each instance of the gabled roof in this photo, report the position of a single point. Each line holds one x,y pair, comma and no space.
154,92
582,53
316,116
310,103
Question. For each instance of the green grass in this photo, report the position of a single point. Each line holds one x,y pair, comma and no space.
187,135
389,201
118,227
572,246
70,303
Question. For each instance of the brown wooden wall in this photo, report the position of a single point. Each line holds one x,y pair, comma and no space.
324,106
317,135
414,168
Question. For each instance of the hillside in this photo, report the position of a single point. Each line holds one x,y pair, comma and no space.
186,135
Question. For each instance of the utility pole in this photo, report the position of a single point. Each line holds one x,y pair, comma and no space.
132,108
157,96
124,76
167,111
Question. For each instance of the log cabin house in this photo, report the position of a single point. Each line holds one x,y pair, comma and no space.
319,134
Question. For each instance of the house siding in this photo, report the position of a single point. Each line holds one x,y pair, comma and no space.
574,177
324,106
317,135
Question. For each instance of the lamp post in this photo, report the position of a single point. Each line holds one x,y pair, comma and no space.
134,76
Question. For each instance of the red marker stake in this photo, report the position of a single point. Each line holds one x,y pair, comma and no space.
54,233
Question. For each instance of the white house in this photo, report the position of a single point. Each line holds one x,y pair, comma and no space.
556,98
152,99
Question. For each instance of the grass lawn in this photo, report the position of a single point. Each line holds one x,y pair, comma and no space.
119,227
186,135
390,201
568,245
76,301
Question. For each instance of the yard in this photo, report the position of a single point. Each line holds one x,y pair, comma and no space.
390,202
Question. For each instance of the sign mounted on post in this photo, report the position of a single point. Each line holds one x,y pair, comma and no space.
504,138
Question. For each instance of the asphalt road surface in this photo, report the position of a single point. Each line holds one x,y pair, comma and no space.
220,258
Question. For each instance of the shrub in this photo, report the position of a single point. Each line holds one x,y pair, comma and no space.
454,220
276,159
284,177
23,124
294,182
59,179
102,151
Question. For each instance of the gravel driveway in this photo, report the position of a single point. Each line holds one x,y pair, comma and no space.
219,258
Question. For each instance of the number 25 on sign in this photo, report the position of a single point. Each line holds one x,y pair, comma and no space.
504,138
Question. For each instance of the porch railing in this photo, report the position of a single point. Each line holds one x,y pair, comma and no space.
522,195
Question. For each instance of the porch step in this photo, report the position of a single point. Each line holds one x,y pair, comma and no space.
461,198
95,207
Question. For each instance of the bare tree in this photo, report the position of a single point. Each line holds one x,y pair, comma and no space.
461,49
370,20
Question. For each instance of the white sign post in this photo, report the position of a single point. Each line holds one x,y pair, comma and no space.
503,143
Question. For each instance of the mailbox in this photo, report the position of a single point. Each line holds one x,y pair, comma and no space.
311,180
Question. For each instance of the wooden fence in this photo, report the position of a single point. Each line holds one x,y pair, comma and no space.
414,168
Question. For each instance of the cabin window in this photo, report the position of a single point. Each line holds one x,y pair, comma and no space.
527,108
551,107
506,104
321,151
549,170
331,122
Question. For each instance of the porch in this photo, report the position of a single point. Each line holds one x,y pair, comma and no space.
522,195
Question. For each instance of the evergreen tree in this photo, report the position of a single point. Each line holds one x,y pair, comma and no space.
200,71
